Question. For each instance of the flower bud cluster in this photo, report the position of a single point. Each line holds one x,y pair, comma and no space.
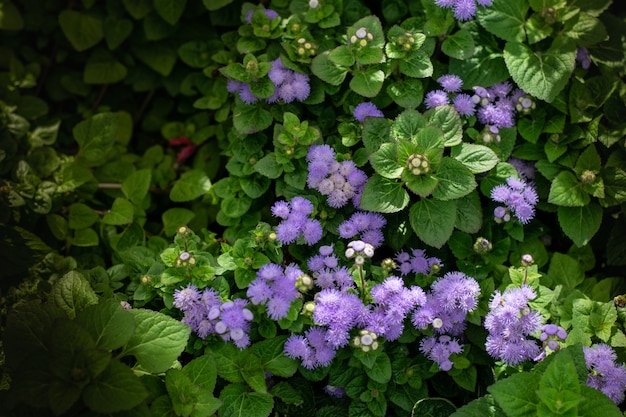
359,250
366,341
185,259
418,164
361,37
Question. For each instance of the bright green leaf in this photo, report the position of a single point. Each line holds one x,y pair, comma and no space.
190,185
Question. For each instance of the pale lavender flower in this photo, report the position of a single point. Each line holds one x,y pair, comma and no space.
340,312
296,222
582,56
439,349
417,262
436,98
525,169
268,12
463,9
518,196
275,287
464,104
367,225
509,322
312,349
450,83
366,109
605,374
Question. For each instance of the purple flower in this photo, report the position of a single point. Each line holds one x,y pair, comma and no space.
436,98
450,83
439,349
339,181
509,322
464,104
367,225
340,312
456,291
275,287
416,263
463,9
582,56
366,109
518,196
525,169
312,349
604,374
268,12
295,221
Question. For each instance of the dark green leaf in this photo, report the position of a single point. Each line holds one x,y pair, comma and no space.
516,394
383,195
505,19
109,325
240,402
580,223
459,45
170,10
567,191
367,83
433,220
327,70
190,185
116,389
455,180
81,29
121,212
72,293
136,185
81,216
95,137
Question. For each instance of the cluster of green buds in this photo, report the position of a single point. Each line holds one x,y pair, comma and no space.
305,47
490,134
361,37
525,104
406,41
587,177
359,250
482,246
388,265
366,341
308,309
304,283
418,164
185,259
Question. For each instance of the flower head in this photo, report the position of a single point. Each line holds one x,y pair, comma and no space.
366,109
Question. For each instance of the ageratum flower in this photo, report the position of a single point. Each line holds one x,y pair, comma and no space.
605,374
518,197
439,349
275,287
463,9
367,225
366,109
296,222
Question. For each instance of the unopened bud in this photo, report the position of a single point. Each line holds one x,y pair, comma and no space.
527,259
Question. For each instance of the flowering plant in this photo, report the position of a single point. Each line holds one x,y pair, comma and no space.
313,207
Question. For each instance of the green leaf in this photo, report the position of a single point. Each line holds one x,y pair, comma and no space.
190,185
541,74
455,180
81,216
433,220
182,392
268,166
416,65
81,29
406,93
157,341
459,45
505,19
202,372
138,9
240,402
110,326
580,223
565,270
328,71
448,120
253,374
174,218
559,388
484,406
376,131
273,359
11,18
469,214
595,403
135,186
250,119
159,56
516,394
385,161
477,158
213,5
342,55
102,68
84,238
72,293
116,31
435,407
567,191
96,136
383,195
121,213
367,83
116,389
170,10
408,124
381,369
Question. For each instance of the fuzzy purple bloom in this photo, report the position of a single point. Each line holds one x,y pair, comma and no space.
366,109
439,349
275,287
436,98
605,374
464,104
417,262
367,225
518,196
450,83
295,221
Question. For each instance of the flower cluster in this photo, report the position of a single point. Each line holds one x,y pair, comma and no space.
276,287
447,304
289,86
312,348
271,14
518,198
368,226
206,314
366,109
463,9
394,302
339,181
326,270
509,322
296,222
604,374
525,169
438,349
417,262
339,312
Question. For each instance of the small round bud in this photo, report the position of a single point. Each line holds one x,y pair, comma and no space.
313,4
145,279
620,301
437,323
482,246
304,283
183,230
125,305
359,260
236,334
247,314
361,33
220,327
350,253
587,177
184,256
527,259
388,264
308,308
369,250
